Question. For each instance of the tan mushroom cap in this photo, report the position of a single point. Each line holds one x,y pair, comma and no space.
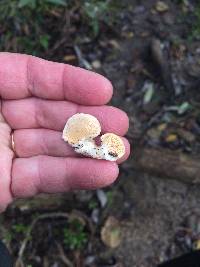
80,127
114,143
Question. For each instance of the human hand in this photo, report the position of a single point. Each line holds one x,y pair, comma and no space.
37,98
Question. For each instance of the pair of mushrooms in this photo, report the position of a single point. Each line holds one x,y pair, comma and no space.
80,132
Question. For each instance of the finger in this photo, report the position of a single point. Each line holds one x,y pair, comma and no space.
44,174
22,76
34,142
6,156
36,113
6,165
29,143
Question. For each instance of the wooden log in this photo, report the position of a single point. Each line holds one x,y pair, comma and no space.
44,201
167,163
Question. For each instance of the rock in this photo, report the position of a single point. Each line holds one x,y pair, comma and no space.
96,64
89,260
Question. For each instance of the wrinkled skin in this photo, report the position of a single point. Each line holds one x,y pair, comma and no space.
37,98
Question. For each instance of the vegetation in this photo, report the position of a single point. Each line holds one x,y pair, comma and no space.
75,236
20,228
34,26
196,24
93,204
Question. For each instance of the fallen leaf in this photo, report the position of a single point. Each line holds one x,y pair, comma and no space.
114,44
171,138
95,215
102,197
153,134
183,108
128,35
149,91
69,58
161,6
111,232
162,127
197,245
186,135
145,34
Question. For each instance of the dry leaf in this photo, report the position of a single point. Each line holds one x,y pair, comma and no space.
171,138
162,127
115,44
197,245
69,58
111,232
161,6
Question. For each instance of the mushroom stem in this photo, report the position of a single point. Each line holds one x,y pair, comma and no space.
88,147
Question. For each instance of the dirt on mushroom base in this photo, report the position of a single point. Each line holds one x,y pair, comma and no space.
159,218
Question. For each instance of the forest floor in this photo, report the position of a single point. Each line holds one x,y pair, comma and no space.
153,61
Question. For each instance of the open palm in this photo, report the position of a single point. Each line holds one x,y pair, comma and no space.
37,98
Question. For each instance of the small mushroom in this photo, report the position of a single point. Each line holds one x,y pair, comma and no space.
113,144
81,130
81,127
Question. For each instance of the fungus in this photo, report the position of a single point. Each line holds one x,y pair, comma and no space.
80,132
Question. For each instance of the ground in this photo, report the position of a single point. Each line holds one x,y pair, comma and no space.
153,61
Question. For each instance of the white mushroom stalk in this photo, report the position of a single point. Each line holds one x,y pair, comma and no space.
81,130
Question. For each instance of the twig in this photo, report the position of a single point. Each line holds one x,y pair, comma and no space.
78,213
28,234
82,62
64,36
63,257
19,261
